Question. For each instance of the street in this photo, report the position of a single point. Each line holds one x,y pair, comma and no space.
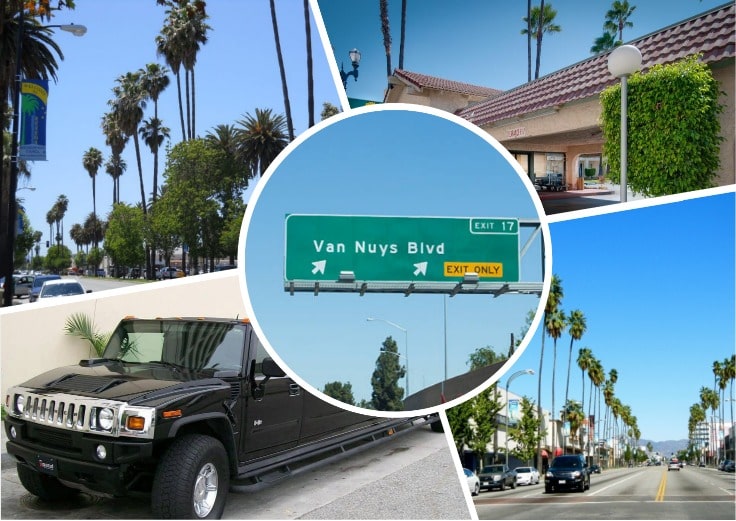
636,493
411,476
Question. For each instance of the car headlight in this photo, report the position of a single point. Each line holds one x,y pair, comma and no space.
576,474
105,418
549,475
20,403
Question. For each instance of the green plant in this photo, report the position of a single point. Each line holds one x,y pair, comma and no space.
673,128
81,325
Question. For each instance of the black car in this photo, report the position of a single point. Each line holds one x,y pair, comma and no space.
497,476
569,471
595,469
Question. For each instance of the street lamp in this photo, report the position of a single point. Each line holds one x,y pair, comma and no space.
8,261
516,374
622,62
355,60
406,344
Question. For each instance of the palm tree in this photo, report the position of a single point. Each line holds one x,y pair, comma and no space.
116,140
282,70
576,321
115,167
386,31
554,299
584,361
554,325
168,46
540,20
260,139
618,17
403,34
60,208
92,161
77,235
154,80
310,76
597,376
153,134
528,33
709,400
729,373
605,42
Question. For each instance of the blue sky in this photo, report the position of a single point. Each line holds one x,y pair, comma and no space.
236,73
477,41
656,285
384,162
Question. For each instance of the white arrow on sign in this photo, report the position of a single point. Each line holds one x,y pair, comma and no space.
421,267
319,266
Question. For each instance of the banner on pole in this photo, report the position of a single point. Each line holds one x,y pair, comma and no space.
35,95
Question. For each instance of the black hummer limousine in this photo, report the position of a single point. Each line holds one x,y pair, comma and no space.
176,409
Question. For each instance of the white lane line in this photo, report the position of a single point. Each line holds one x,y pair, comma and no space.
599,490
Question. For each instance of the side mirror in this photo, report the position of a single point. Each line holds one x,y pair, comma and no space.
270,369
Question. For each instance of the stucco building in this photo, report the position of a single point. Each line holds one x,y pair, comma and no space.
552,124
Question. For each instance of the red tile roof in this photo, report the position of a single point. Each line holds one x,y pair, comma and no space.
431,82
711,33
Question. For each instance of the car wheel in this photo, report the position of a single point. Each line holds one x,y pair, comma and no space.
192,479
547,490
44,486
502,486
476,491
513,485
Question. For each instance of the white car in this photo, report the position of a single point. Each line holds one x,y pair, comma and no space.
61,288
473,482
527,476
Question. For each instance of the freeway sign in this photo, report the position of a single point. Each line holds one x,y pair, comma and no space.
401,249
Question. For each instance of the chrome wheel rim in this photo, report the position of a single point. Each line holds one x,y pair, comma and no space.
205,490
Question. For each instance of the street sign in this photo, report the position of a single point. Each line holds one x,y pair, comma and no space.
401,249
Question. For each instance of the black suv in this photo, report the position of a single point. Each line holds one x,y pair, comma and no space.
567,472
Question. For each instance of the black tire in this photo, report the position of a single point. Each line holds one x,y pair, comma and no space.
513,485
44,486
191,464
547,490
436,426
476,491
503,486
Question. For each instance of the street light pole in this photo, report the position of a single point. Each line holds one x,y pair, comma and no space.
8,259
622,62
355,61
406,344
511,378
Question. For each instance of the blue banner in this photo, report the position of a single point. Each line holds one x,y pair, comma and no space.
35,95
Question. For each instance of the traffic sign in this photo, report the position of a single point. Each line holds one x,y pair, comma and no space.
401,249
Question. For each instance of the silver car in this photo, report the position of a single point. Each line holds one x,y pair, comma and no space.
22,285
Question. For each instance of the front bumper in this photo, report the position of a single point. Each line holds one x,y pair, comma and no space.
564,481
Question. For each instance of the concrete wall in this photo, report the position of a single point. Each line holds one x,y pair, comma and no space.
32,338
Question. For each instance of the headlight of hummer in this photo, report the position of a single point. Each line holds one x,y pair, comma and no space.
105,418
19,403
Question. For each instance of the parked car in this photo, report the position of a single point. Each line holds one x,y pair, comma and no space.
497,476
223,267
38,283
526,476
169,272
569,471
674,464
61,288
473,482
730,466
22,285
724,464
596,469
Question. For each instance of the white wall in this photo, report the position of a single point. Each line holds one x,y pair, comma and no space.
32,338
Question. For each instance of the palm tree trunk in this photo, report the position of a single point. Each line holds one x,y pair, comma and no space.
540,30
552,412
310,77
189,106
181,106
194,106
539,404
403,34
529,40
282,70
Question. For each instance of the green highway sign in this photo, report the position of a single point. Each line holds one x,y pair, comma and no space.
401,249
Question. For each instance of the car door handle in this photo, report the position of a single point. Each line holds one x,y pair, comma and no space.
294,389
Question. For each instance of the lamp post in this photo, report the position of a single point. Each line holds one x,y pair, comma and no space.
406,344
622,62
9,260
516,374
355,60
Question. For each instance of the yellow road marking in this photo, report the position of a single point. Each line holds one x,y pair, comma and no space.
662,486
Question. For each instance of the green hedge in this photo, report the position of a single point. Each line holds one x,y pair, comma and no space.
674,128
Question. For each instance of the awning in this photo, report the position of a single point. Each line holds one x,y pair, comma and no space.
558,451
544,454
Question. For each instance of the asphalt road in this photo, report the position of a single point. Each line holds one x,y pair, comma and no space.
411,476
638,493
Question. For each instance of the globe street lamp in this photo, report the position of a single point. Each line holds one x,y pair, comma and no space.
406,345
355,60
12,208
622,62
516,374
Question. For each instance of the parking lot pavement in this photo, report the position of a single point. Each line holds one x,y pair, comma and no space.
409,477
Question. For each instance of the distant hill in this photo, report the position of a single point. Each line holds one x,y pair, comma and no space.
665,448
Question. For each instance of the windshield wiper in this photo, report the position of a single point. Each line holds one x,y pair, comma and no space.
168,364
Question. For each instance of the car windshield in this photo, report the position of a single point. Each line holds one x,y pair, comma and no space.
61,290
493,468
190,345
568,463
523,469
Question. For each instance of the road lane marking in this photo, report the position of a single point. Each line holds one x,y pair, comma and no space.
662,486
599,490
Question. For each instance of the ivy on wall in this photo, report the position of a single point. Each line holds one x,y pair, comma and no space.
673,128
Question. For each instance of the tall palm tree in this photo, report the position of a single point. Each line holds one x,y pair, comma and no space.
260,139
555,325
154,79
597,376
403,34
554,300
617,18
730,374
386,31
76,232
92,161
541,21
116,167
282,70
577,327
116,139
709,400
310,75
153,133
528,33
604,43
170,47
584,361
59,210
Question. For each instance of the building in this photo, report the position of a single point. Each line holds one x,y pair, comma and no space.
551,125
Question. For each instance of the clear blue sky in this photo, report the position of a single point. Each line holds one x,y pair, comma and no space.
478,41
656,286
237,72
385,162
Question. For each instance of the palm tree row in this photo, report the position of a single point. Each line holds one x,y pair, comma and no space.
619,422
617,19
724,373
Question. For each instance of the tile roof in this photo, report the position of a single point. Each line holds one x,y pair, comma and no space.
711,33
431,82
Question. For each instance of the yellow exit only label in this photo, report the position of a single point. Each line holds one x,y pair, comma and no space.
483,269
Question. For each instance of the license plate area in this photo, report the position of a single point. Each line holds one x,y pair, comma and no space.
47,465
562,482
